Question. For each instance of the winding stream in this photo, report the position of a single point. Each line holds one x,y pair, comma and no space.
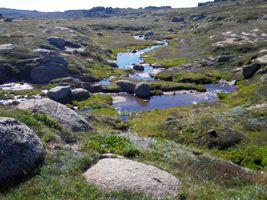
128,102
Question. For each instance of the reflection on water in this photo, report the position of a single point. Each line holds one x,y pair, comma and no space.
133,103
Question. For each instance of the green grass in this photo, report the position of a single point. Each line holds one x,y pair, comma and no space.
187,76
95,101
166,63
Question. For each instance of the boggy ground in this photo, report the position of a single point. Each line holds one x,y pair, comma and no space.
217,151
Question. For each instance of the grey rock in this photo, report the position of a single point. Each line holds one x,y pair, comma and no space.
96,88
79,94
6,47
126,86
100,33
156,66
250,70
197,16
21,152
46,73
42,51
116,174
225,58
177,19
68,118
262,60
56,41
142,90
60,93
139,67
112,63
55,59
149,34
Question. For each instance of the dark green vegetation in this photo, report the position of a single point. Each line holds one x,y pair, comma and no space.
232,129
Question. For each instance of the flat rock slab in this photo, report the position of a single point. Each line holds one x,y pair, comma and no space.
68,118
112,174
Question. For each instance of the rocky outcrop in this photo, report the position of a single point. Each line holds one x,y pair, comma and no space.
142,90
56,41
79,94
113,174
60,94
21,152
126,86
46,73
64,115
250,70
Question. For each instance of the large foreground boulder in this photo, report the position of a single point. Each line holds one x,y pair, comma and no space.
126,86
21,152
142,90
64,115
126,175
46,73
60,94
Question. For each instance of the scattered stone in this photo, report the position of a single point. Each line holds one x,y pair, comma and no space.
142,90
21,152
46,73
156,66
112,174
177,19
68,118
225,58
60,94
262,60
197,16
149,34
56,41
139,67
155,72
112,63
126,86
6,47
79,94
212,133
42,51
250,70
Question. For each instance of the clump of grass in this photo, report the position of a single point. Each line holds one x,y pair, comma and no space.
111,144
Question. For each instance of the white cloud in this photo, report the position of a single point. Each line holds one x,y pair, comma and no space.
61,5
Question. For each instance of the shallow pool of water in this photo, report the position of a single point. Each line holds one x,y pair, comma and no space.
172,99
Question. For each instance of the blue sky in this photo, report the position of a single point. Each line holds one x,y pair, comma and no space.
61,5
